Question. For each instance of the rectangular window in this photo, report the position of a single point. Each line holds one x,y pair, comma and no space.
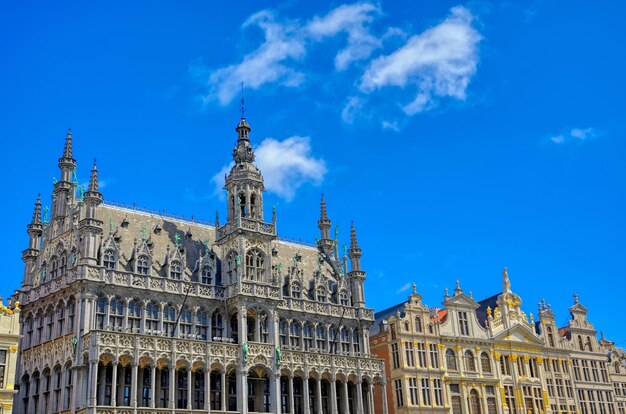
559,387
576,366
550,387
394,356
421,355
455,399
434,356
463,324
3,363
491,400
413,391
410,359
426,391
586,370
509,395
569,388
505,367
437,391
399,398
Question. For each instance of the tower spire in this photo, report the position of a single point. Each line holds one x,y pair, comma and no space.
93,181
67,150
354,252
37,212
324,222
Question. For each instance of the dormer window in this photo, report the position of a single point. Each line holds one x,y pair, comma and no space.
176,270
463,324
206,276
109,259
418,324
143,265
321,294
343,298
296,291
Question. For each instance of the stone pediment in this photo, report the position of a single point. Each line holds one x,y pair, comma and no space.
519,333
578,308
461,300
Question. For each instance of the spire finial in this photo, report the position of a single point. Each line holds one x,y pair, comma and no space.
67,150
576,299
93,181
323,212
353,241
37,211
506,283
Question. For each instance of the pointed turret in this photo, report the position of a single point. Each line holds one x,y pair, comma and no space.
90,226
324,222
67,163
29,256
356,276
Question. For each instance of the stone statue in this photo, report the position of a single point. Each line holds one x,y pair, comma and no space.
279,355
74,342
506,283
245,349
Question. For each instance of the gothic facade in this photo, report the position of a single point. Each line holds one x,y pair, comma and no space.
489,357
128,311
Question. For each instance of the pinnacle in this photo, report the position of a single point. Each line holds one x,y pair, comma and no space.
93,181
37,211
353,240
67,150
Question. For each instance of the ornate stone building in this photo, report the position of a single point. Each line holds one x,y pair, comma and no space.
9,338
128,311
489,357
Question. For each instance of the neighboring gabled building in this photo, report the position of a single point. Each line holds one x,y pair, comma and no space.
489,357
9,338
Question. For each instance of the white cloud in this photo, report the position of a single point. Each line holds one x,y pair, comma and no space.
267,64
352,19
392,125
574,134
404,288
351,109
286,166
438,62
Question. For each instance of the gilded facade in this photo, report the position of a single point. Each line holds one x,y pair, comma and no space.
9,339
130,311
489,357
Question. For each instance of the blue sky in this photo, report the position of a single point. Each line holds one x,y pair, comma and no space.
461,137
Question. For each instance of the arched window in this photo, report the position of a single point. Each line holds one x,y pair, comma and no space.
407,327
44,272
60,316
451,360
205,275
143,265
71,310
134,316
185,323
176,270
100,312
116,313
255,265
109,259
283,327
474,402
242,204
588,344
470,362
580,343
550,335
63,264
345,340
28,328
307,333
343,298
294,333
356,341
296,290
152,317
54,267
485,363
418,324
617,367
202,324
68,387
321,294
169,320
320,336
49,324
253,206
232,267
217,325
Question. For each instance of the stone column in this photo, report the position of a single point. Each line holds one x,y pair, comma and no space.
333,394
142,324
189,389
292,410
384,397
277,394
224,389
125,323
160,323
242,325
305,395
242,388
114,385
318,394
153,386
133,387
370,392
172,373
346,405
207,389
359,397
107,308
93,381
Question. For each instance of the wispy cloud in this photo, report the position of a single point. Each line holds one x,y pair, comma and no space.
437,63
574,135
353,20
269,63
286,166
426,68
404,288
